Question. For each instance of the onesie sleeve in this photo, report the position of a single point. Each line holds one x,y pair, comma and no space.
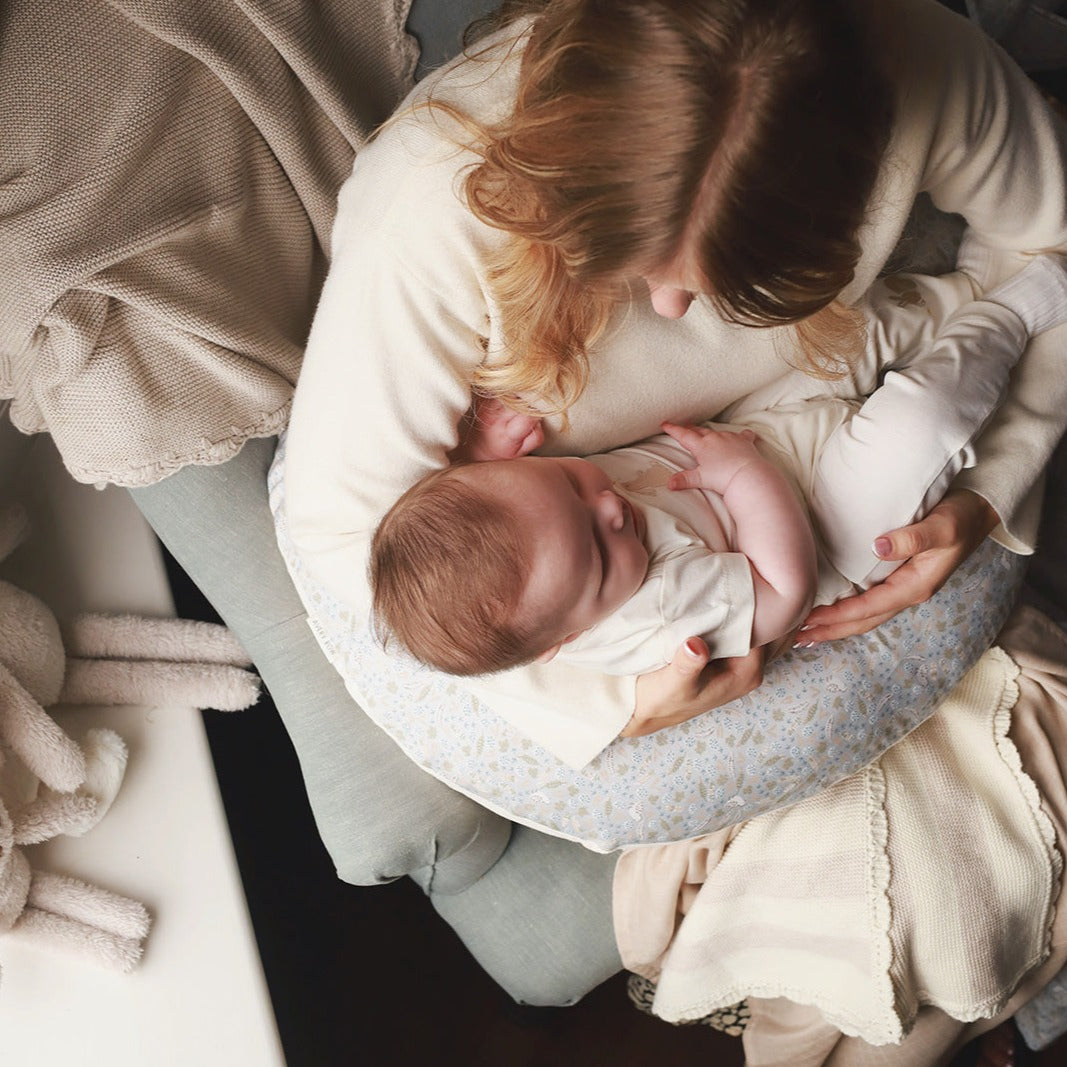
696,592
992,150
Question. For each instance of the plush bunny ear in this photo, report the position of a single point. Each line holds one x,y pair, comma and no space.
37,739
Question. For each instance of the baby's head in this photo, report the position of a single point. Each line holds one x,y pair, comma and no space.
484,566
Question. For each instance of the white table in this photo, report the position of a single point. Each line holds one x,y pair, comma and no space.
199,997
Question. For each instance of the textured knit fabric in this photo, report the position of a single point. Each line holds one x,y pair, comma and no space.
167,188
783,1033
851,901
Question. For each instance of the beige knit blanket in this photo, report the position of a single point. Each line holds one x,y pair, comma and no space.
168,174
928,878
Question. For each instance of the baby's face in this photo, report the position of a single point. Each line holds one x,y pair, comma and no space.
589,555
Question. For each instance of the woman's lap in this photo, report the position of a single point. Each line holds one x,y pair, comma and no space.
535,912
782,1032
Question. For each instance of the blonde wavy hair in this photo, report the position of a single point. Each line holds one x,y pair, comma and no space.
747,134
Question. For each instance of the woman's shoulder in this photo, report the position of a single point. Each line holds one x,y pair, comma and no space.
942,64
405,190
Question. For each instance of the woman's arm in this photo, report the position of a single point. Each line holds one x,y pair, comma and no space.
997,155
385,380
989,148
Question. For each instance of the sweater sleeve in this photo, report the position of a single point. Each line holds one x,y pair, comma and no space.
994,152
387,371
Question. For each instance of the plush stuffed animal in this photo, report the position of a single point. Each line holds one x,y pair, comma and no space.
52,785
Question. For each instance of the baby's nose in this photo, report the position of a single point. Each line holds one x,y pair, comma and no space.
611,509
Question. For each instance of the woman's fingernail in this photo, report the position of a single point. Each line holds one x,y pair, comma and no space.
692,646
804,644
882,547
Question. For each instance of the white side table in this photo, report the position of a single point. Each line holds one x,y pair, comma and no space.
199,998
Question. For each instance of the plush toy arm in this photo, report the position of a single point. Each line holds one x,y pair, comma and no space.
67,935
196,685
89,904
64,913
37,739
52,814
96,636
72,814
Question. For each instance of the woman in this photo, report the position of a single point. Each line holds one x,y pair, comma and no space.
551,257
571,197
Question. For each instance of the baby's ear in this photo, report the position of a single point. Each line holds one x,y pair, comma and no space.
550,653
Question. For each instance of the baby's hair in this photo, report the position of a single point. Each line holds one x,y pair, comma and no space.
449,563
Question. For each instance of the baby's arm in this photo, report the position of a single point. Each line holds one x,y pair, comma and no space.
494,431
772,528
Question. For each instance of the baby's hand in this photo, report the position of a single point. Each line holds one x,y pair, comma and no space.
495,431
720,454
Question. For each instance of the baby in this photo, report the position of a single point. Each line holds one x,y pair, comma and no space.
484,566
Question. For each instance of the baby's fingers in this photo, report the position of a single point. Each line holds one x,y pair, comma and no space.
524,433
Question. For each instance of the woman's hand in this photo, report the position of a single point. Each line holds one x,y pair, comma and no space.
690,685
934,548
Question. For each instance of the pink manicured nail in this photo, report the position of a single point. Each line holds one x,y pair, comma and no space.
692,646
882,547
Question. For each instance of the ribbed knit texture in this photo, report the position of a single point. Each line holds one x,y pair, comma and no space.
1037,294
928,878
167,188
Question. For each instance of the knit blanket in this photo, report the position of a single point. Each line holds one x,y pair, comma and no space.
167,188
927,878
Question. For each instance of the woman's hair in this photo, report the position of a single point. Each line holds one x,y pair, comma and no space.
449,563
747,134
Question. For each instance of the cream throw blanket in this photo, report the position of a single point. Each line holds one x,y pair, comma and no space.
167,187
928,878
